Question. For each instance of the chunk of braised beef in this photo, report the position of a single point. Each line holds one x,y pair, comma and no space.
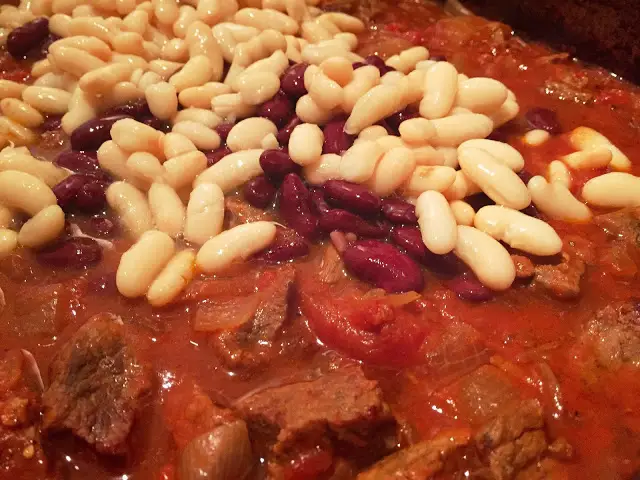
562,279
97,385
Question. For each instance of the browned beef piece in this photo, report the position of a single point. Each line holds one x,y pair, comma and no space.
624,228
97,385
614,334
525,269
247,344
561,280
342,407
238,211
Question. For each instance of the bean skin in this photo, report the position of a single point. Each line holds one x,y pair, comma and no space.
378,62
277,164
92,134
393,121
336,140
138,109
81,162
260,192
278,109
27,37
318,202
214,156
285,247
468,287
223,130
344,221
384,266
284,134
292,81
295,207
398,211
84,192
352,197
76,253
409,239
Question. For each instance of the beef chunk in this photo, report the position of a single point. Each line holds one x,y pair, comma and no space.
339,408
97,385
251,339
561,280
418,462
237,212
623,226
614,334
525,269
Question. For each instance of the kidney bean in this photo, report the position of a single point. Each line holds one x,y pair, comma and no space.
525,176
318,204
378,62
468,287
101,226
279,109
79,162
384,266
292,80
27,37
44,48
336,140
286,246
259,192
295,206
67,189
479,200
383,123
214,156
284,134
156,123
357,65
52,122
544,119
344,221
410,240
137,109
351,196
223,130
531,210
277,164
76,252
397,210
85,192
438,58
91,196
394,121
90,135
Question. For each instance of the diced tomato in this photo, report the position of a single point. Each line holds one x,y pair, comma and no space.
367,329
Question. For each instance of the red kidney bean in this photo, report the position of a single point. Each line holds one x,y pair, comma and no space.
318,204
383,123
292,80
409,239
397,210
90,135
295,207
52,122
101,226
277,164
279,109
394,121
91,196
479,200
76,253
67,189
44,48
284,134
156,123
378,62
525,176
344,221
137,109
214,156
285,247
223,130
336,140
25,38
468,287
260,192
531,210
352,197
544,119
81,162
84,192
357,65
384,266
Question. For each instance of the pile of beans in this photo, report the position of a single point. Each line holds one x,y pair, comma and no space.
170,106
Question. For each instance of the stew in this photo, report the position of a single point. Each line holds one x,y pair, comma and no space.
273,239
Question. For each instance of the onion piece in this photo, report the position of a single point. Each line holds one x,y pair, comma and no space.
223,315
222,454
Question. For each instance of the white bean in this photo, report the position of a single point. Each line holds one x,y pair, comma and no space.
507,112
327,168
338,69
20,112
145,166
463,212
235,244
266,19
373,132
199,115
557,171
131,206
167,209
173,279
427,155
6,217
425,178
495,179
270,142
175,144
233,170
597,157
324,91
133,136
305,144
182,170
48,172
387,142
197,71
518,230
200,39
164,68
440,87
257,87
24,192
407,60
557,202
364,79
162,99
8,242
141,264
103,80
486,257
584,138
393,169
73,60
205,213
201,96
416,131
114,160
16,133
42,228
613,190
535,138
502,152
248,134
378,103
437,222
11,89
231,106
454,130
481,95
359,162
203,137
310,112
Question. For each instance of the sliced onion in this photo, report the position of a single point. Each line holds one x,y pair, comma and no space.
222,454
224,315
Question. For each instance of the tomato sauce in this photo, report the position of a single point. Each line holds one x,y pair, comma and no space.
417,349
